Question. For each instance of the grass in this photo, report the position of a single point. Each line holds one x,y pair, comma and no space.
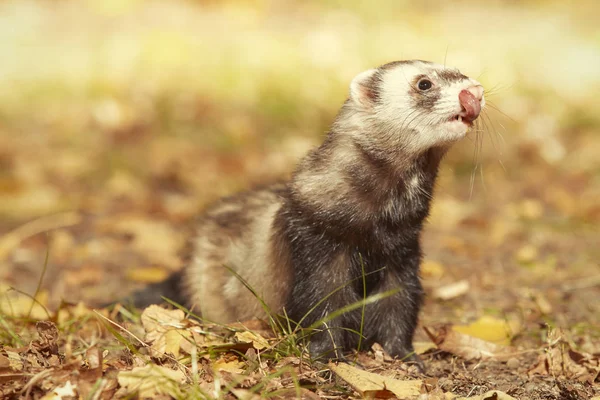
187,101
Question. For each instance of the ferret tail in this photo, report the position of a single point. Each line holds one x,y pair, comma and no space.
155,293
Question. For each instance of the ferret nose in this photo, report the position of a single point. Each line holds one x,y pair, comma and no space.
470,100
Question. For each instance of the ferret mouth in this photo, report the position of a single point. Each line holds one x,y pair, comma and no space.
463,119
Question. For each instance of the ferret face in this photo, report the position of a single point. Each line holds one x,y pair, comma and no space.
424,104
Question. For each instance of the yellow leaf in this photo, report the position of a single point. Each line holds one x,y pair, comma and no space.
453,290
368,383
164,329
173,339
258,342
68,313
17,304
14,360
432,269
488,328
470,347
527,254
422,347
147,274
152,380
245,394
234,367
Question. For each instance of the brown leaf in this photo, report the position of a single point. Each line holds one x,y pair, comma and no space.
560,360
48,336
369,384
468,347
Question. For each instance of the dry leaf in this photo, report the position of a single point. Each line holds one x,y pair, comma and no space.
69,312
431,270
15,361
233,366
66,390
469,347
165,329
17,304
152,380
452,290
562,361
258,342
245,394
422,347
542,302
147,274
491,329
369,384
527,254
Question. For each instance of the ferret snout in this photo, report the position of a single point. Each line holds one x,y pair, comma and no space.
470,100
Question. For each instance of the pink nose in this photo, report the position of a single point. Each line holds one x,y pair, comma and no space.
470,100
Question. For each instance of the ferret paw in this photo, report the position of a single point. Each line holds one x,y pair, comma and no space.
408,356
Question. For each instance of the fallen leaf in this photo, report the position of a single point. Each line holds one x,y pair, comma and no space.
48,336
560,360
18,304
452,290
152,380
431,269
165,329
245,394
469,347
542,302
422,347
258,342
147,274
233,366
66,390
527,254
531,209
491,329
369,384
15,361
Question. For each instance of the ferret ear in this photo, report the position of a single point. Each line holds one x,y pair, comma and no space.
364,88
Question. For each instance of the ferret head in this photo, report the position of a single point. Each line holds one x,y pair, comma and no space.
416,105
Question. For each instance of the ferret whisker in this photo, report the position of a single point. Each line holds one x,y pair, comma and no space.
482,179
495,108
487,119
446,55
497,89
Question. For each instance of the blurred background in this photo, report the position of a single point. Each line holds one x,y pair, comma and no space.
120,119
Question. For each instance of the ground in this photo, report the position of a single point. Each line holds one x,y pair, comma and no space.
117,127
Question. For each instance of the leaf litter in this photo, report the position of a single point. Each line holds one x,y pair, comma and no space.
103,185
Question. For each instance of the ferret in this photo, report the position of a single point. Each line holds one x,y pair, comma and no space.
348,222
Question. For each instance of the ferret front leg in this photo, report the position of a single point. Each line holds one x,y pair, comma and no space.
394,320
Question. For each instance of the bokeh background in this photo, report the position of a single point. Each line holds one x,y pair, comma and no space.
120,119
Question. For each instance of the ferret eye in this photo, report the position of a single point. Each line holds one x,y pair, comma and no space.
424,84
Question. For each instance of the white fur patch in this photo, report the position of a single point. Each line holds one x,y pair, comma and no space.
423,128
